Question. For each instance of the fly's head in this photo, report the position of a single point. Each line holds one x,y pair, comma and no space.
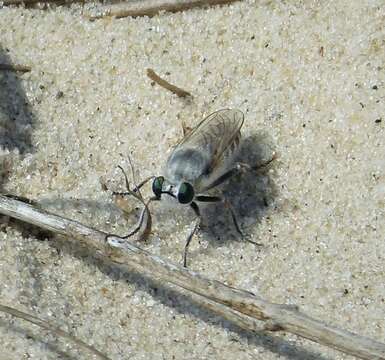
184,193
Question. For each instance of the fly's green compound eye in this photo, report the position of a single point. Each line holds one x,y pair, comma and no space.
157,186
185,193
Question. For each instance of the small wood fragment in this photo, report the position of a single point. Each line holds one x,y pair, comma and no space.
15,68
154,7
29,3
165,84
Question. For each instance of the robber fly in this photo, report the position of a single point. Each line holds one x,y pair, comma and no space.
202,160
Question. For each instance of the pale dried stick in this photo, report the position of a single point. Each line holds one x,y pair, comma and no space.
15,68
153,7
33,2
46,325
165,84
241,307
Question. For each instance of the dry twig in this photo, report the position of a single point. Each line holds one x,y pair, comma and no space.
46,325
165,84
10,67
153,7
239,306
34,2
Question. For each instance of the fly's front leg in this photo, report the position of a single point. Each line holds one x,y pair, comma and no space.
193,232
144,182
145,213
135,189
135,192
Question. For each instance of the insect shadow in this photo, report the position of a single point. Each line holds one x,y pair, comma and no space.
250,193
183,304
16,116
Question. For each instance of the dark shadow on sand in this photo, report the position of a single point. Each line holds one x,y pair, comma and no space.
53,346
16,118
250,194
183,304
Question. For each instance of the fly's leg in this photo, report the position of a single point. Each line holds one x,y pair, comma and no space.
233,217
144,182
227,175
239,167
226,203
145,211
140,222
206,198
135,189
235,222
264,165
193,232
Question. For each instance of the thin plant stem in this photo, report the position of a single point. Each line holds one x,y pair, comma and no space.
165,84
15,68
153,7
240,306
48,326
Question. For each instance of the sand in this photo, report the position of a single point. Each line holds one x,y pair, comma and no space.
310,79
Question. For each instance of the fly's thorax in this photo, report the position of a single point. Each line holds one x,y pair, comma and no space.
186,165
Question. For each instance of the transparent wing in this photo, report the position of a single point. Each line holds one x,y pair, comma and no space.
207,150
217,136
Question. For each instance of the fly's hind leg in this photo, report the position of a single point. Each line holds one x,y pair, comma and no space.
193,232
264,165
238,167
235,222
206,198
233,217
